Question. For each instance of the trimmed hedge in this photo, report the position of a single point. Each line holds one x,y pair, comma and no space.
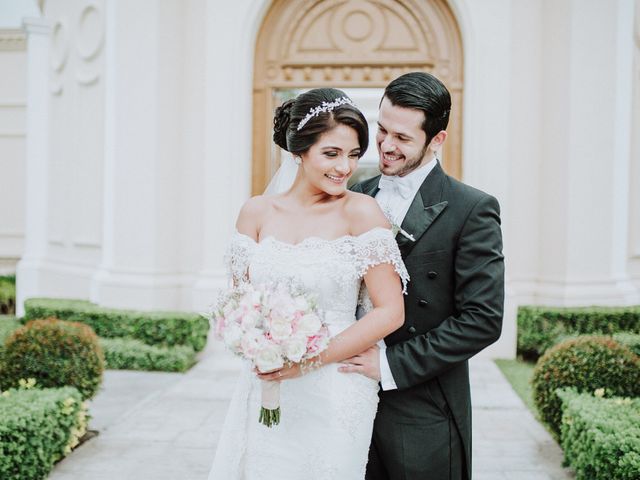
630,340
152,328
601,436
8,294
585,363
540,327
37,428
56,353
8,325
131,354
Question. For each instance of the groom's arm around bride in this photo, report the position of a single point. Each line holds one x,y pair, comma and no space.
454,305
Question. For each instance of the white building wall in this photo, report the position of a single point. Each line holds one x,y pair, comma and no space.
150,149
13,98
634,166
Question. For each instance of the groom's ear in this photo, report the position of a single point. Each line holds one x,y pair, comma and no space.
437,141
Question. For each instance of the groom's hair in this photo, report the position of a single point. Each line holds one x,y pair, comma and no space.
317,119
424,92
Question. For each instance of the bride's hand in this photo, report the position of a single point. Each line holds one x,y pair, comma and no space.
287,372
291,370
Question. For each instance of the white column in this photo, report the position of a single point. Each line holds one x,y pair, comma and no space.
142,176
226,176
585,141
634,171
28,274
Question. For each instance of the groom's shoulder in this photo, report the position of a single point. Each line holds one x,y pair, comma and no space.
468,194
366,185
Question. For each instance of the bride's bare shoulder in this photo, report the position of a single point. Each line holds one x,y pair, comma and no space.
364,213
252,214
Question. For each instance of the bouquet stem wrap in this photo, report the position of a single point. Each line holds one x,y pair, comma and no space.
270,410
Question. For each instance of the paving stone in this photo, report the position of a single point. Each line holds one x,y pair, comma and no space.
166,426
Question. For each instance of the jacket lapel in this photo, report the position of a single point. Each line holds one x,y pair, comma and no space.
424,209
370,187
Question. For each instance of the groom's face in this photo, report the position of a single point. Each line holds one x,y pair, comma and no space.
400,139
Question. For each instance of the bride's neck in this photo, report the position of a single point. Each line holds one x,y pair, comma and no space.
308,195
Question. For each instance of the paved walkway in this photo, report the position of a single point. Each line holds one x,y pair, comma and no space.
161,426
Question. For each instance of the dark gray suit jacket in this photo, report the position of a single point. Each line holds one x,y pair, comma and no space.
454,305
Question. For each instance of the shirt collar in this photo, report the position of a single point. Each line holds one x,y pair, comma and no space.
416,177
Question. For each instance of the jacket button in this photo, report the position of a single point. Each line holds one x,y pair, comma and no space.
422,302
412,329
432,274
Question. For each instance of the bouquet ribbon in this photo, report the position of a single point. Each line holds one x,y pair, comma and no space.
270,409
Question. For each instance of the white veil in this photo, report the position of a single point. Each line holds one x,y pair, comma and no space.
284,177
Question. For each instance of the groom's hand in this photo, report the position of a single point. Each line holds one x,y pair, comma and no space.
366,363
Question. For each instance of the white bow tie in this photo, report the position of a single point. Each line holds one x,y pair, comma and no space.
396,185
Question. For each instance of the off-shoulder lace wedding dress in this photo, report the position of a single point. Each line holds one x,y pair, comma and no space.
327,416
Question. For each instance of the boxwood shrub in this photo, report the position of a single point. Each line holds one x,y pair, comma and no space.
37,428
131,354
631,340
7,294
8,325
56,353
152,328
540,327
601,436
585,363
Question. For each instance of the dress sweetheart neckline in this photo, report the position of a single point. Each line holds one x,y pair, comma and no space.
313,238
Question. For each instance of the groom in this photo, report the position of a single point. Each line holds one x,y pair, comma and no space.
452,247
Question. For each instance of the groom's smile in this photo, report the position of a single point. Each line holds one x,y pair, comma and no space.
400,139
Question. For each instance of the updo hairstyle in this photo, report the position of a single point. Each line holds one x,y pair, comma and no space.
287,117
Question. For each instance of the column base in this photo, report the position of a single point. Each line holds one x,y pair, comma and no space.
580,293
205,290
37,277
138,290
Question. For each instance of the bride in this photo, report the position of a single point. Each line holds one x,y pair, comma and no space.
330,240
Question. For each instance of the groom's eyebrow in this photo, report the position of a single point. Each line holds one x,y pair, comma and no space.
401,134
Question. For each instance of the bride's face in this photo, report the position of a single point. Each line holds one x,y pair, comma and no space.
331,161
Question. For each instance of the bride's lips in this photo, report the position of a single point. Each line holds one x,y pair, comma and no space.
338,180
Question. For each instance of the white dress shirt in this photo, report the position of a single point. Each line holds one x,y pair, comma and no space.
395,197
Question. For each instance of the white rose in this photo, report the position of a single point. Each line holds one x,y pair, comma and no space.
232,335
251,342
280,328
301,304
295,348
309,324
268,358
250,319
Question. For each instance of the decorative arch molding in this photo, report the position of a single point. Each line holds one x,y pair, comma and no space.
352,43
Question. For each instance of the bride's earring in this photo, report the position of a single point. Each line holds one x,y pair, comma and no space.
297,160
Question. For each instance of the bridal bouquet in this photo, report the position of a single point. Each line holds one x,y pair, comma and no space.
270,325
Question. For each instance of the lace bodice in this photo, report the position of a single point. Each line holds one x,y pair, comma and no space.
327,416
333,269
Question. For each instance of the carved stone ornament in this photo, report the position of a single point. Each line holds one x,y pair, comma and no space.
353,43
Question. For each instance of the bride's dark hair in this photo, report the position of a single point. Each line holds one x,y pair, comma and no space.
289,115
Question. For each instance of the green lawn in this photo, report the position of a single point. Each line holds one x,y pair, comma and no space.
519,374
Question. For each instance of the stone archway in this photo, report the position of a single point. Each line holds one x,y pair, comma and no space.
352,43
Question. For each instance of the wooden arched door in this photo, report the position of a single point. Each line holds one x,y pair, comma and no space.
352,43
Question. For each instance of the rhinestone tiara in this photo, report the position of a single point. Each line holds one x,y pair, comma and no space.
324,107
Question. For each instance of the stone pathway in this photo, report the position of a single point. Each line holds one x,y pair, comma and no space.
161,426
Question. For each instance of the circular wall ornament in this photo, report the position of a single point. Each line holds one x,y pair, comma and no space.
90,32
59,46
356,20
357,25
